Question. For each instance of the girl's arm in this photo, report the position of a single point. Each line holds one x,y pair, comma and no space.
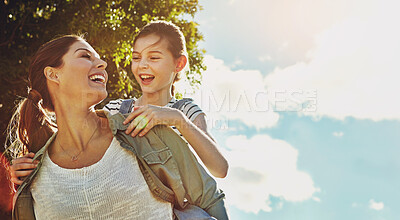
204,145
22,167
146,117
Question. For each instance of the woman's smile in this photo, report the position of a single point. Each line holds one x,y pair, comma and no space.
99,78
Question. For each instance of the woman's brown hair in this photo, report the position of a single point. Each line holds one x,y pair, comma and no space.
32,124
173,35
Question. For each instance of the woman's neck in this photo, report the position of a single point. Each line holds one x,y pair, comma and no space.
76,126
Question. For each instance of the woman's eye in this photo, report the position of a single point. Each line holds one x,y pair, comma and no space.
86,56
136,59
154,58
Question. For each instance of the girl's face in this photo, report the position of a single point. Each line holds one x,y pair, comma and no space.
153,65
83,75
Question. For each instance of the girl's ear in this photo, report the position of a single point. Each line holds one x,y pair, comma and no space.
51,74
182,60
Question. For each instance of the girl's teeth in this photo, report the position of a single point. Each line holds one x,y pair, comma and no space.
146,77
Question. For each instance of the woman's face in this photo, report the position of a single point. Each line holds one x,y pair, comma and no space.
83,75
153,65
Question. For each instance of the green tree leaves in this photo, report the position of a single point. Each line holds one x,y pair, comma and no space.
108,25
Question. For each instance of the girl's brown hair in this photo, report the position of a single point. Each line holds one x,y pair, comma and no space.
173,35
32,123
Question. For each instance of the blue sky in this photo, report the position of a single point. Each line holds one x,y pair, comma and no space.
301,97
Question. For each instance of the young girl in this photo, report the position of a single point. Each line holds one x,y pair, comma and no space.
159,55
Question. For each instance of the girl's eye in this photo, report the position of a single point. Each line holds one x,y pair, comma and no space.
135,59
154,58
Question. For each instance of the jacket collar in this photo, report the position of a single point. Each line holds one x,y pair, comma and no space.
39,154
115,121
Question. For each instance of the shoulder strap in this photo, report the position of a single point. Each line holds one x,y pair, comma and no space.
126,106
180,103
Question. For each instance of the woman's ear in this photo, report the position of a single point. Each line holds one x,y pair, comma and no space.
182,60
51,74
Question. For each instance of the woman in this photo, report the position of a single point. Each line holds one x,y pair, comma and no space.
88,168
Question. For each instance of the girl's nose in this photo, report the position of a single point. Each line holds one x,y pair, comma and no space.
143,64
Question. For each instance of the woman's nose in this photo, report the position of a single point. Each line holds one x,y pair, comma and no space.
101,64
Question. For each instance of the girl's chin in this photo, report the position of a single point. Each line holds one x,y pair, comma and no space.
149,89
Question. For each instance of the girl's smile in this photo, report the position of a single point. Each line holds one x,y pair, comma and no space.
146,78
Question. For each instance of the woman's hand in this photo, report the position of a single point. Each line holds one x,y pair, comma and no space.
22,167
146,117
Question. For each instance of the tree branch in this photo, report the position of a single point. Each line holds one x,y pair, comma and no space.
21,23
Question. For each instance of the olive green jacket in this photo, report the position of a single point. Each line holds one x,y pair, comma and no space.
169,167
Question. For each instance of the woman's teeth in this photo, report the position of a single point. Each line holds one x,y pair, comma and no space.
97,78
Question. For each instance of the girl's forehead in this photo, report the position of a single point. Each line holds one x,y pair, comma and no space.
150,42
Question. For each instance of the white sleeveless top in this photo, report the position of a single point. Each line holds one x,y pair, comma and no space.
112,188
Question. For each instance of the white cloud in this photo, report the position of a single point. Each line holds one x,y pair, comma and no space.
282,28
279,206
352,71
227,94
234,95
353,67
338,134
265,58
316,199
237,62
231,2
261,167
376,205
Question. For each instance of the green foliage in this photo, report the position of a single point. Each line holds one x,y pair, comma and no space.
109,26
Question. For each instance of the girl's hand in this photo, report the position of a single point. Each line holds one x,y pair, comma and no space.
22,167
146,117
